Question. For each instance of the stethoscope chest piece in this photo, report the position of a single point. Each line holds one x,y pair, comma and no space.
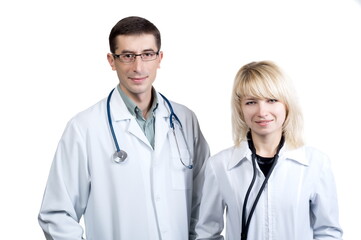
120,156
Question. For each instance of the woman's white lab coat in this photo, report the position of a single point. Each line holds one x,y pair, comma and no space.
149,196
298,203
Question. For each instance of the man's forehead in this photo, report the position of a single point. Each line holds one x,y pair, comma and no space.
136,43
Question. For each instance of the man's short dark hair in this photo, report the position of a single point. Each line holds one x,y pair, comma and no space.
133,26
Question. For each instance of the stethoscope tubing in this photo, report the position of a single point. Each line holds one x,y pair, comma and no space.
172,116
246,222
110,121
120,155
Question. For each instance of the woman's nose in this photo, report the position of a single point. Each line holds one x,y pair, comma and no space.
262,109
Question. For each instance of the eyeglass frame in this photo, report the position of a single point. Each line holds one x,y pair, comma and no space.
136,55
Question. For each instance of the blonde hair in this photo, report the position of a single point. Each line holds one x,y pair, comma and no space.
265,79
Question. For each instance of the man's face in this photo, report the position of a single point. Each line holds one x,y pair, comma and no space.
136,78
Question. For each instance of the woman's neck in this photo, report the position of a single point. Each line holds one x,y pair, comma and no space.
266,146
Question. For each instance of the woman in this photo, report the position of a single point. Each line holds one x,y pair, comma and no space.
271,185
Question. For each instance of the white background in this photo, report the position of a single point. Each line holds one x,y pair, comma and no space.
53,65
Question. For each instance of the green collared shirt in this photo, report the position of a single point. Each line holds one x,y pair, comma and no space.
146,124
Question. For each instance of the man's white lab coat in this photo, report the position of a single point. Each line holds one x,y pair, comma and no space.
149,196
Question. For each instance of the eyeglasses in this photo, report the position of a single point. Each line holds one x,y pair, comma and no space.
130,57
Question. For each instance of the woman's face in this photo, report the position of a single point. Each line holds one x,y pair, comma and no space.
265,117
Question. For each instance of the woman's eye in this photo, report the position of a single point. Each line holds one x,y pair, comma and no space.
250,102
272,100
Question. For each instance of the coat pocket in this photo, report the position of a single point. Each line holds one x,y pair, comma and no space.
182,176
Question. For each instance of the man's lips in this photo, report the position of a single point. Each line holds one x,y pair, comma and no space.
137,79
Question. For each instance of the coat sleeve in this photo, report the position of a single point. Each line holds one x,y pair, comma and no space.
324,206
200,154
67,188
211,223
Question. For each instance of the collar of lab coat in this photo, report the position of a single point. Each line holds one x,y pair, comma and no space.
120,111
243,153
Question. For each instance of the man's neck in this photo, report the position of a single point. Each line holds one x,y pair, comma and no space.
142,100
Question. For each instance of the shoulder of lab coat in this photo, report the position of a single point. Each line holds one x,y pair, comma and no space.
68,185
211,221
324,211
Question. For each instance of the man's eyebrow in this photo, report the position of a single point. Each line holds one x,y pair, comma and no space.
126,51
149,50
129,51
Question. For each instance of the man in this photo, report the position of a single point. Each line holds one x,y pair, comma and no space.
152,189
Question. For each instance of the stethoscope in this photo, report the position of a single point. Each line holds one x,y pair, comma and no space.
119,155
246,221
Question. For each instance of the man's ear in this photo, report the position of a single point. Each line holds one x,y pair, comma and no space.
111,61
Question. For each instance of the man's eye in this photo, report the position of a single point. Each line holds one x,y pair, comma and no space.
148,54
128,56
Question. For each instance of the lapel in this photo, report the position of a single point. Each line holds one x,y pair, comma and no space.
162,126
121,115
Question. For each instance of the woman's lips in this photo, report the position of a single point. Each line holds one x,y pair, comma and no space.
264,123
